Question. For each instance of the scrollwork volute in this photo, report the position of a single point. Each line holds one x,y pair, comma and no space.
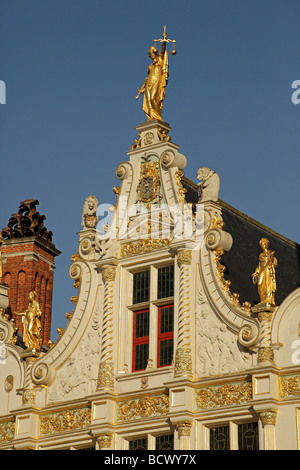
86,247
75,271
216,238
169,160
122,172
42,373
6,331
249,335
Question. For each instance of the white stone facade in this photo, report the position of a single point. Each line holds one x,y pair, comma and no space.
83,391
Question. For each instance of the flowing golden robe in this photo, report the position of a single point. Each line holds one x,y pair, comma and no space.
264,275
32,329
155,83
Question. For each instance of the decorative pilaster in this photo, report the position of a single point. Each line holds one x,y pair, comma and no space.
28,393
184,434
106,366
183,356
268,420
265,351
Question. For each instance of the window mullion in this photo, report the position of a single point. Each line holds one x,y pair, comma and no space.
233,435
153,317
152,335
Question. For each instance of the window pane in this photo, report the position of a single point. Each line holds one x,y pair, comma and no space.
166,352
166,319
165,282
219,438
164,442
141,356
138,444
141,284
142,324
248,436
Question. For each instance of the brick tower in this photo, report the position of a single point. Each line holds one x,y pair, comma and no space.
28,263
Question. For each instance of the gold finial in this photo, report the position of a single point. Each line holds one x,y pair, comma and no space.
154,85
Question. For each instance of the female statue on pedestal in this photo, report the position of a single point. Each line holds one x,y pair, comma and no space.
32,329
154,86
264,275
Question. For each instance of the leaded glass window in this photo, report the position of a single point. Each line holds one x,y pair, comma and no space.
165,335
138,444
156,311
140,340
219,438
164,442
248,436
141,287
165,282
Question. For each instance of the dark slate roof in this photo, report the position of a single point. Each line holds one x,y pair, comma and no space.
242,259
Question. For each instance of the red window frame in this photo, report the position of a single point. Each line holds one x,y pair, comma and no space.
163,336
140,340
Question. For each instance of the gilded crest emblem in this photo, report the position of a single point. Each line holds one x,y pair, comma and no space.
148,188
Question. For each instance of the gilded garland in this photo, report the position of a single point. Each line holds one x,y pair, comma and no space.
63,421
143,408
224,395
7,431
143,246
289,385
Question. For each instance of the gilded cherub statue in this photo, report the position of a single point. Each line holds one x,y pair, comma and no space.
264,275
32,328
154,85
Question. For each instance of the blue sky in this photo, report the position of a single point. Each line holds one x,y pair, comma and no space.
71,69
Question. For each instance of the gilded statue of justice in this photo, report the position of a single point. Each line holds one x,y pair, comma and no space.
154,85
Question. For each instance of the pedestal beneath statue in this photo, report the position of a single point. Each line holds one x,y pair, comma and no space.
263,307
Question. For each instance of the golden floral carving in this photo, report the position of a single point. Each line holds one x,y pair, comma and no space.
137,143
7,430
163,135
226,284
143,246
62,421
184,429
109,273
28,396
184,257
105,375
224,395
143,407
178,176
289,385
268,417
265,354
105,439
183,361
